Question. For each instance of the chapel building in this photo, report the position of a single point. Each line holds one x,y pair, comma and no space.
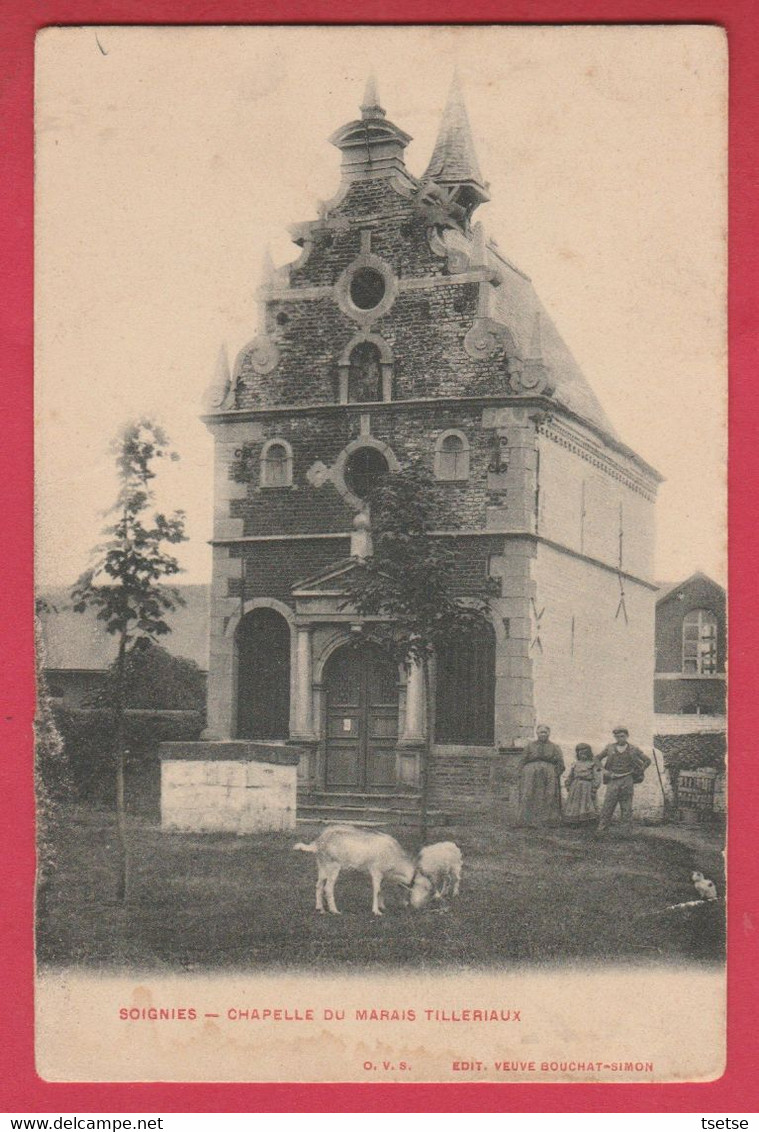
401,332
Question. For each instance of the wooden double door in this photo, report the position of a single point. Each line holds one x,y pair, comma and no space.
362,720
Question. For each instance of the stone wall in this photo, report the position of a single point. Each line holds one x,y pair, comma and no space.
240,787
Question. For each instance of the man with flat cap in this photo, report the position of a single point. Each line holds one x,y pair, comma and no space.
623,765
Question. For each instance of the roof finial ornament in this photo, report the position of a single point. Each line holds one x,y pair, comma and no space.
370,104
268,270
221,385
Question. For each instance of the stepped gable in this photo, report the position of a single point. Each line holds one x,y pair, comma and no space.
374,180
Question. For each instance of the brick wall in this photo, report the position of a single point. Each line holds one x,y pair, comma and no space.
696,593
690,696
693,750
425,328
273,568
503,500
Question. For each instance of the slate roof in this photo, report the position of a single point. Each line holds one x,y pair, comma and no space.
514,302
454,159
77,640
517,307
667,589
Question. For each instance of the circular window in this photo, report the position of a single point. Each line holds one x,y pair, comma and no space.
367,288
365,468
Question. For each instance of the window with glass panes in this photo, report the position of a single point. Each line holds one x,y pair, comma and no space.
700,642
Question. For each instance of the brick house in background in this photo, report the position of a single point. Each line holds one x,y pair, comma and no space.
690,652
402,332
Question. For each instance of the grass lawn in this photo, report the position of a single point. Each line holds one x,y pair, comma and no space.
225,902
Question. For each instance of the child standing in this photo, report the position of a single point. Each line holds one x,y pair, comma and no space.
582,784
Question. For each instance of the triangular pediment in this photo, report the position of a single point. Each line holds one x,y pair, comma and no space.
330,580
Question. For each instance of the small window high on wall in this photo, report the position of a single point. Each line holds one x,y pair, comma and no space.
700,642
452,456
276,464
465,692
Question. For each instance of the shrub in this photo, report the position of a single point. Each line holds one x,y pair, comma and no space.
154,679
89,739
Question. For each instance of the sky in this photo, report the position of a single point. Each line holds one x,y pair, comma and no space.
170,159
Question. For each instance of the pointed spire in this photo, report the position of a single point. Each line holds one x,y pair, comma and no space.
217,392
370,104
268,270
222,375
454,163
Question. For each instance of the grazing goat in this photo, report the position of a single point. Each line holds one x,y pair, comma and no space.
345,847
438,873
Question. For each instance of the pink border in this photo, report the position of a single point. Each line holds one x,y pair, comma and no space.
21,1089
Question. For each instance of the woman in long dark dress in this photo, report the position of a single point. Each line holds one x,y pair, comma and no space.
540,771
582,784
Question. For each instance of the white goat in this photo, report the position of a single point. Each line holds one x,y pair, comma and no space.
345,847
438,873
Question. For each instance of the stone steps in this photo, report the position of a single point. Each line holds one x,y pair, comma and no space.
364,809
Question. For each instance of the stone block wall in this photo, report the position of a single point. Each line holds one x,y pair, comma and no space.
239,787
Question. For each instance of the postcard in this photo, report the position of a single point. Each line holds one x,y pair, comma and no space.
381,538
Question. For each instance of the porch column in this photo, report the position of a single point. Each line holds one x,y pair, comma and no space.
304,726
413,731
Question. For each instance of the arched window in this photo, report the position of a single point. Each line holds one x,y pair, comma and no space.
365,373
465,691
263,675
364,469
700,642
276,464
452,456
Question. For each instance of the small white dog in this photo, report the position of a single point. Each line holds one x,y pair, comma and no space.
437,874
705,888
345,847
